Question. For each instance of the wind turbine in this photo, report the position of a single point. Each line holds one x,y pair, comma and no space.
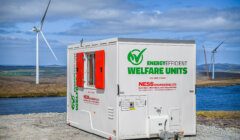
213,59
206,64
39,30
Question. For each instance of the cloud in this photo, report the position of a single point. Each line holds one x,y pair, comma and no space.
189,19
120,17
19,42
97,17
15,31
229,36
4,31
32,11
13,41
206,22
175,20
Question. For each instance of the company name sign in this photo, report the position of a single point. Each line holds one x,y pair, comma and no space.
135,57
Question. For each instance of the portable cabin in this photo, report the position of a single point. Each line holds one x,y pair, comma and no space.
123,88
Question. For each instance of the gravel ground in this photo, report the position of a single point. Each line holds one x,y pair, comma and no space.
53,126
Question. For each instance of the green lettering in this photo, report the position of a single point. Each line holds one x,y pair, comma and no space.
151,71
131,70
185,70
138,70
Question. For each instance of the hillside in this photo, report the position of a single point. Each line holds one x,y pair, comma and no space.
19,81
225,67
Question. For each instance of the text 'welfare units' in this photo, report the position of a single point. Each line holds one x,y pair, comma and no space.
132,88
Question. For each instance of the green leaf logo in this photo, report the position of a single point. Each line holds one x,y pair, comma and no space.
136,56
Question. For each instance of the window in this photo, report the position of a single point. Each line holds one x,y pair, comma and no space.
93,75
90,69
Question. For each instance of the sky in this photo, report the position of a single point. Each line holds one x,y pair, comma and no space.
208,22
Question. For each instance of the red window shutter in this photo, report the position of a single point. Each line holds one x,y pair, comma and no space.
80,69
100,69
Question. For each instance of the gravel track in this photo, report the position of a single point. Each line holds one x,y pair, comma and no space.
53,126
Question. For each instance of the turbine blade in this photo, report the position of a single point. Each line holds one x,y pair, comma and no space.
49,46
45,13
215,49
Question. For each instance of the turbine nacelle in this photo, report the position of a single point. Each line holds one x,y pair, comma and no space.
35,29
214,51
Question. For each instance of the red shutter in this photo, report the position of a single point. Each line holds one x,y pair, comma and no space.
80,70
100,69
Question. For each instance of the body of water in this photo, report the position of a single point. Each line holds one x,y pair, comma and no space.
219,98
32,105
208,98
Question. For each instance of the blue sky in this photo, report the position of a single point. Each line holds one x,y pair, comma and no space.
208,22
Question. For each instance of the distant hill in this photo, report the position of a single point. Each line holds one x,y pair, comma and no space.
12,67
45,71
56,70
224,67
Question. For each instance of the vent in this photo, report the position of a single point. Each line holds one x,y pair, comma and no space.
110,112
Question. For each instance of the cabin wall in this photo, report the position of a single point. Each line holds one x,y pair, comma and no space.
94,107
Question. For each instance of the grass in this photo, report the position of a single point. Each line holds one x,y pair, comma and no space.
221,119
222,79
24,86
19,81
219,82
219,114
30,71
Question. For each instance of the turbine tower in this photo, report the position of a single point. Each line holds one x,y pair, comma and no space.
39,30
213,59
206,63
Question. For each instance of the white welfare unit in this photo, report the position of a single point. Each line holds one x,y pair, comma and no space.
125,88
